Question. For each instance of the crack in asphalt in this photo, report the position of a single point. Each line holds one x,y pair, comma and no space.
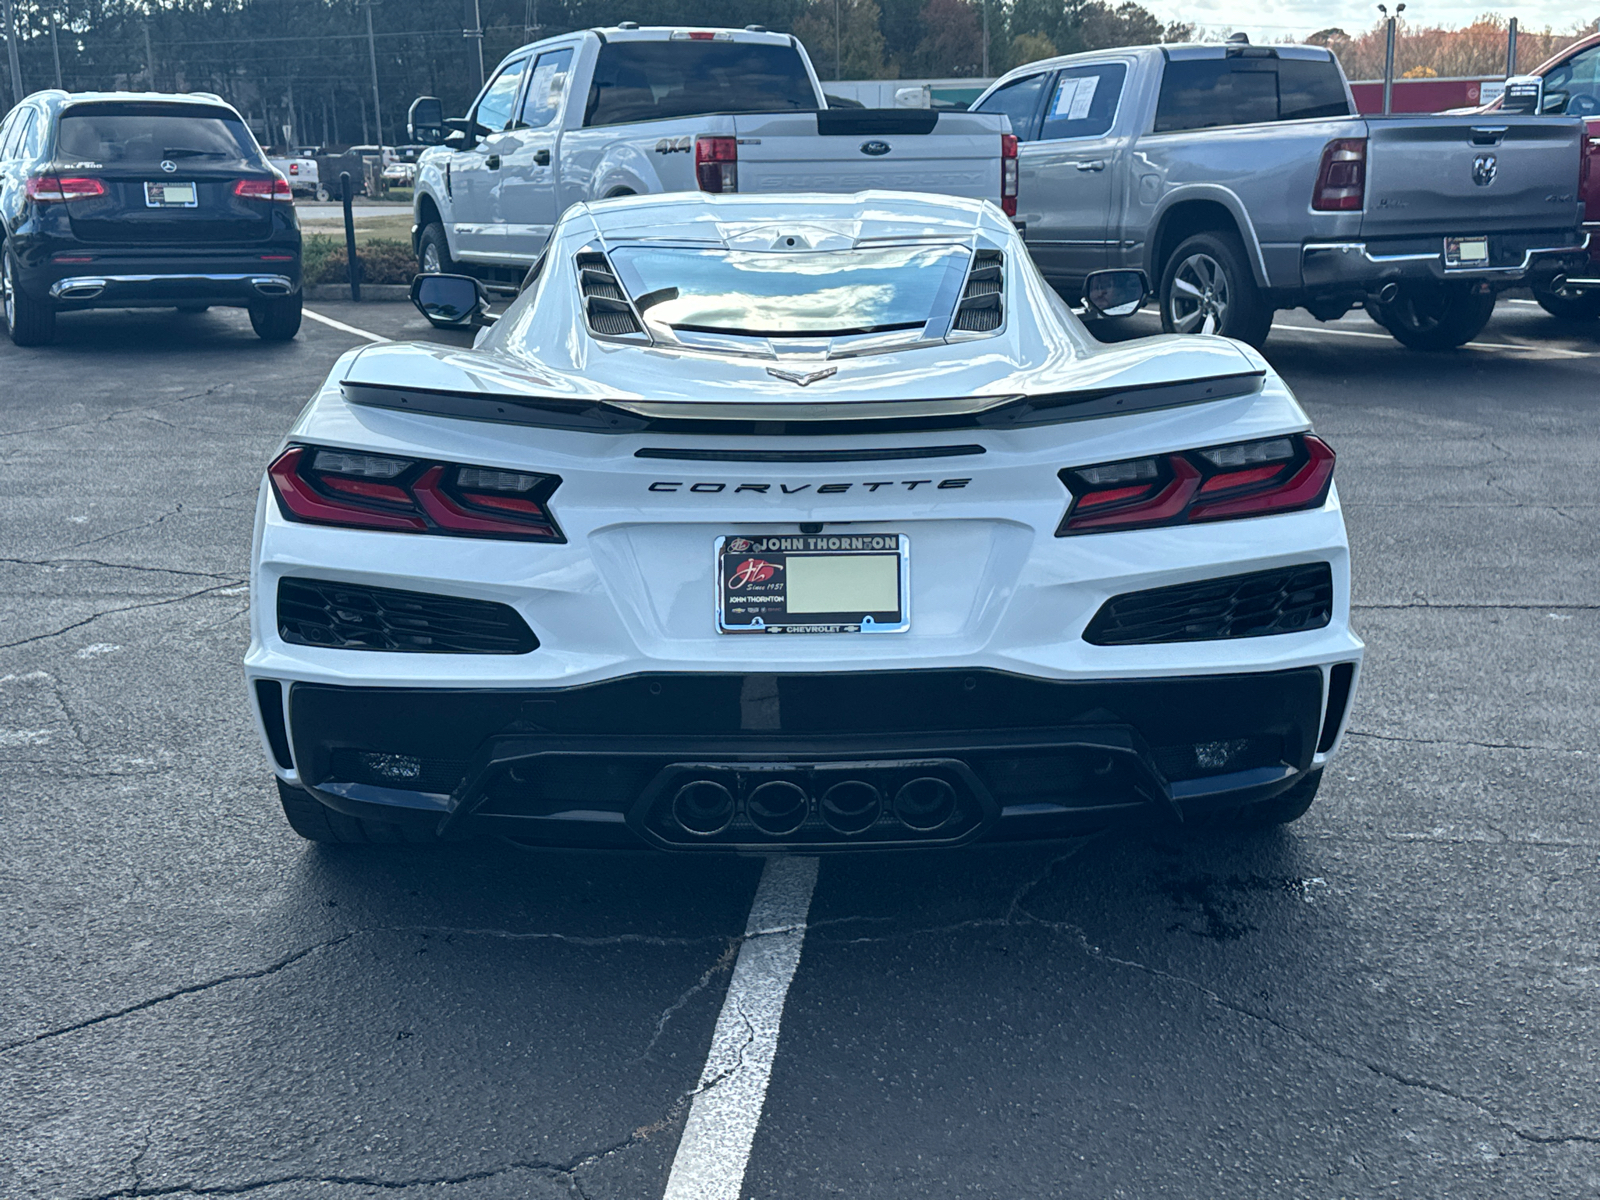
110,566
723,964
1390,737
160,517
41,637
115,414
271,968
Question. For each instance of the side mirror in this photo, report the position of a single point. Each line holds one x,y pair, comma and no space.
451,301
1115,293
425,121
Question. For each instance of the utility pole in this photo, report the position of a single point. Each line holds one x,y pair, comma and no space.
1511,48
55,47
838,43
149,59
1388,56
11,53
477,32
372,55
986,39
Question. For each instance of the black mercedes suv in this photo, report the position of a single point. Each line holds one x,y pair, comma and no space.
141,200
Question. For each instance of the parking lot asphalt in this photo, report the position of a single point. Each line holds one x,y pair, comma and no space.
1398,996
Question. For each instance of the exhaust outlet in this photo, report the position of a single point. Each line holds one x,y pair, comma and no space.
924,804
79,288
852,806
703,807
1388,293
778,807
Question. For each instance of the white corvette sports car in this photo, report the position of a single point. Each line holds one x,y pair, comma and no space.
808,523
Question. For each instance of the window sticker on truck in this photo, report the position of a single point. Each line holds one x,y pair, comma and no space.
1074,96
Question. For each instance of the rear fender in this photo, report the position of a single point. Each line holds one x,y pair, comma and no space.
1190,202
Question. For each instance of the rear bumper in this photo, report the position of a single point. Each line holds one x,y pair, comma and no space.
123,291
100,276
871,760
1355,266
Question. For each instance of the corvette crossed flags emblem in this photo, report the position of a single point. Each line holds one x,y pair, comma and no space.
802,378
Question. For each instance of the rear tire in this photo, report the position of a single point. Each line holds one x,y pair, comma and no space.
278,319
1208,281
433,252
316,822
30,322
1583,307
1435,318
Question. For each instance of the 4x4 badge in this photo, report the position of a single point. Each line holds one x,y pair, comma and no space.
802,377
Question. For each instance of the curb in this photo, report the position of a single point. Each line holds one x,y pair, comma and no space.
369,291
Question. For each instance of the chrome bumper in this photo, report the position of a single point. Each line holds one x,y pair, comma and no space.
1335,265
92,287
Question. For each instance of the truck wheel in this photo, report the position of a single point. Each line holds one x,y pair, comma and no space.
30,322
322,192
276,320
1584,306
1435,318
317,823
1207,287
433,252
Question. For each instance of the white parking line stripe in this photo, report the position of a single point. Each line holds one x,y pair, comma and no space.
1558,351
342,327
726,1109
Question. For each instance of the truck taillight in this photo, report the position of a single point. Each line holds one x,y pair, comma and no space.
1008,173
716,163
1342,178
50,188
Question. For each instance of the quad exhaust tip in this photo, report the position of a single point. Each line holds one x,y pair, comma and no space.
852,806
704,808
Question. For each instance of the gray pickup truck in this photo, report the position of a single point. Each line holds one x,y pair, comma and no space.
1241,180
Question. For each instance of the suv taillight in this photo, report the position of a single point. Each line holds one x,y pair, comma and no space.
264,189
716,163
403,495
55,188
1008,173
1246,479
1342,178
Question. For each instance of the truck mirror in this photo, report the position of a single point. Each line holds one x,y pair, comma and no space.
451,301
425,121
1115,293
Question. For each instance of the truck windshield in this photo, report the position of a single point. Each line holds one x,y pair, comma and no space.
143,135
782,295
648,81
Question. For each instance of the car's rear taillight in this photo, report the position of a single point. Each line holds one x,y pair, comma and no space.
404,495
1246,479
1342,178
264,189
1008,173
56,188
716,164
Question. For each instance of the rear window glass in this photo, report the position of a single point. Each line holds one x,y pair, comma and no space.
144,136
647,81
1205,93
770,294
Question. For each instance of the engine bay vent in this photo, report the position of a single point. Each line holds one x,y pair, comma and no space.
981,308
605,305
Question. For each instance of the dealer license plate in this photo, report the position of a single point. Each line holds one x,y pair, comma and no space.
1466,252
813,583
170,195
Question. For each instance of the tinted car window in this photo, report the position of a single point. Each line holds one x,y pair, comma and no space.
32,136
1579,80
1019,100
1309,88
10,134
545,88
494,109
646,81
143,135
1084,102
1205,93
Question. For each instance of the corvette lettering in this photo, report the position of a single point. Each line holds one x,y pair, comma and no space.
794,489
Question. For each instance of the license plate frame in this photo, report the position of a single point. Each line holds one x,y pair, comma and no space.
156,190
755,598
1466,253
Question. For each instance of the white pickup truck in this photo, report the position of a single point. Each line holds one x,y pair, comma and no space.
621,111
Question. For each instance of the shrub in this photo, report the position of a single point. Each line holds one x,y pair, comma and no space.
383,260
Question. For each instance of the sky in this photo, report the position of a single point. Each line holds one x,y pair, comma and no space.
1270,20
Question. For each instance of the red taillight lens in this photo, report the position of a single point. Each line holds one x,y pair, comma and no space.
1342,178
1008,173
55,188
402,495
716,163
264,189
1246,479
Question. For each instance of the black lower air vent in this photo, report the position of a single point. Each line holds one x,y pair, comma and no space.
1285,600
316,612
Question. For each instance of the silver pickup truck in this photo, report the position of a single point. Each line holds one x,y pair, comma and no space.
630,111
1240,180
